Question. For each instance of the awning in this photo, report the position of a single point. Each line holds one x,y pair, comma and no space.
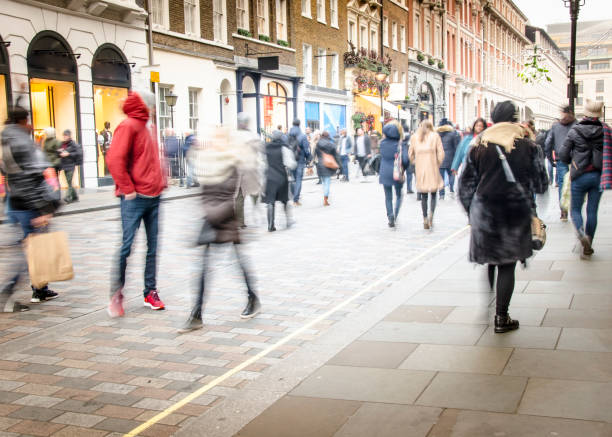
388,106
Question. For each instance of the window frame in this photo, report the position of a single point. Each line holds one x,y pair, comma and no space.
603,86
322,68
222,37
306,9
335,71
194,108
163,14
417,31
307,63
195,5
402,37
394,35
246,15
164,115
333,14
281,11
385,31
265,16
321,11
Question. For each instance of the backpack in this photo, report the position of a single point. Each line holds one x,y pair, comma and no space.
294,145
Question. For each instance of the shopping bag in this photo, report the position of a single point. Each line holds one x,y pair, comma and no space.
566,192
48,258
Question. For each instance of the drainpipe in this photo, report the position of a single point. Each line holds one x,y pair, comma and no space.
150,31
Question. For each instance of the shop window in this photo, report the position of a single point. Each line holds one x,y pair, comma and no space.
194,95
242,14
164,109
192,17
312,115
107,112
275,107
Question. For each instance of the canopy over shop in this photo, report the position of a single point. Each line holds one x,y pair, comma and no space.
367,112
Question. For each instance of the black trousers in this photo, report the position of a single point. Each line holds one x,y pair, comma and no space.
432,206
505,286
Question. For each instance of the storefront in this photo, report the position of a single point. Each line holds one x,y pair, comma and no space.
111,78
52,71
326,109
275,107
5,82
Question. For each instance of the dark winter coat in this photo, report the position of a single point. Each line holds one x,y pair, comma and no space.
75,155
450,141
388,150
556,137
583,147
325,145
499,211
302,143
51,147
219,206
277,184
23,164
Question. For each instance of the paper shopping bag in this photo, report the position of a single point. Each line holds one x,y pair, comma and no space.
48,258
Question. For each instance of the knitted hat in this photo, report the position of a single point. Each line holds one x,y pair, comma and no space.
593,108
505,112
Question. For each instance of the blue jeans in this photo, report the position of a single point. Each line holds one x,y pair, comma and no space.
451,179
586,185
326,184
391,214
409,175
562,170
298,174
345,166
145,209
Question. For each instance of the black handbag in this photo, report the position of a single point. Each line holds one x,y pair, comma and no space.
208,234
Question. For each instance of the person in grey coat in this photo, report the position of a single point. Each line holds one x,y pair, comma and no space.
344,149
554,142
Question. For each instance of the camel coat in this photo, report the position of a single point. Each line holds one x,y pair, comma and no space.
427,156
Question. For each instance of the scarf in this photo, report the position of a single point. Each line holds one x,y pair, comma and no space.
503,134
606,171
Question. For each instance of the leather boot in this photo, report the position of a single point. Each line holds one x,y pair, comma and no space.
271,227
425,223
504,323
325,201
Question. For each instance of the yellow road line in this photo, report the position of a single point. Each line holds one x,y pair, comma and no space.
196,394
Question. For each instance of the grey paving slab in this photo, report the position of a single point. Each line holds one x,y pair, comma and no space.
569,286
79,419
572,318
561,364
483,316
378,354
301,417
389,420
460,423
435,333
592,301
470,359
450,299
585,400
474,392
582,339
541,300
412,313
364,384
525,337
539,275
35,413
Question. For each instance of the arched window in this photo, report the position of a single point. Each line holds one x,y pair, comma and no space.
276,89
110,67
275,107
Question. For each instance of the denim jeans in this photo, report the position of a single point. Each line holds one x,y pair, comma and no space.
451,180
550,169
145,209
409,175
562,169
391,214
326,184
298,174
586,185
345,166
12,260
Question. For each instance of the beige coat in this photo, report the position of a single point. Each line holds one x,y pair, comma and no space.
427,156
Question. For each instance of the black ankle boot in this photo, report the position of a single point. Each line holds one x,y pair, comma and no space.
504,324
271,227
252,307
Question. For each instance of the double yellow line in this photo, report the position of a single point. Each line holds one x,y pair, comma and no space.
215,382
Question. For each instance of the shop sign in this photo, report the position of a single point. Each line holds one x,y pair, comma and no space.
155,76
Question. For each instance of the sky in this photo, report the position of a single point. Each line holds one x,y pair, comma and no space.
543,12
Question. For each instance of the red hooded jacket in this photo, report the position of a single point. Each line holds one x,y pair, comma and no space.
133,159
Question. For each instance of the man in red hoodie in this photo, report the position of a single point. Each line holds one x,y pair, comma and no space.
133,162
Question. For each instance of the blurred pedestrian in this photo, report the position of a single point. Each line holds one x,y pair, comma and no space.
500,201
450,140
171,152
583,152
252,171
314,139
219,168
327,163
71,156
31,203
427,154
363,150
134,164
390,146
344,148
541,141
299,144
189,141
51,148
554,142
460,155
408,166
277,181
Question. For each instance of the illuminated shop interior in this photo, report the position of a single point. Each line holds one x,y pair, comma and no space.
107,107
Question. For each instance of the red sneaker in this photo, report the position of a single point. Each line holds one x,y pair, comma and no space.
115,307
153,301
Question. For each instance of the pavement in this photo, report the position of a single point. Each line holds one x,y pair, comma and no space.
364,331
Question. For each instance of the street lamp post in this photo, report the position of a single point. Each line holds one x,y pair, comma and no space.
171,101
574,7
380,79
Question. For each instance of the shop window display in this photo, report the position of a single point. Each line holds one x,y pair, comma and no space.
275,107
54,105
107,108
3,100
